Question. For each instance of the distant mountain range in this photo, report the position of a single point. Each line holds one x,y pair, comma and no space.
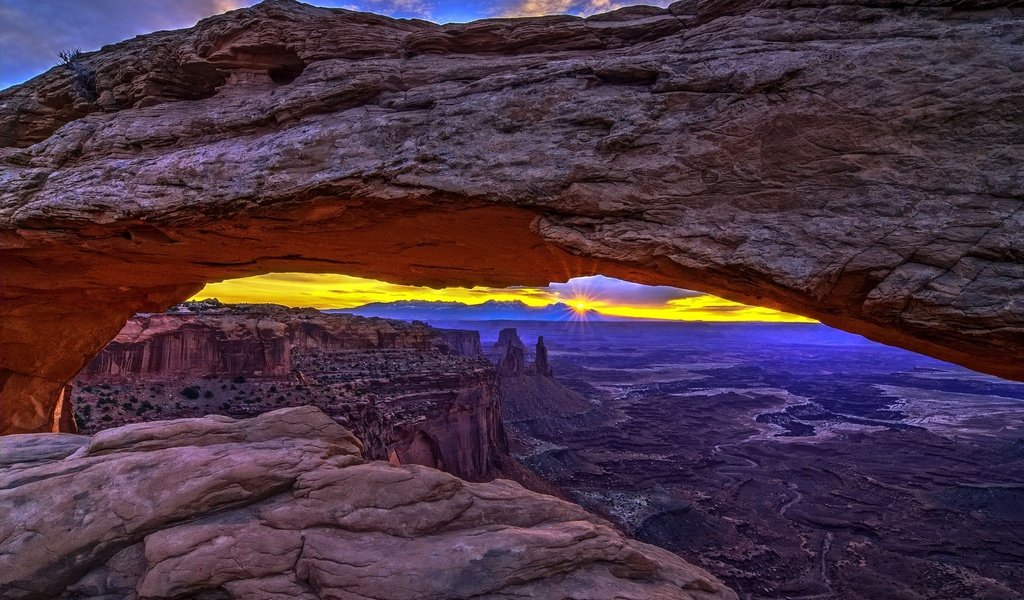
492,310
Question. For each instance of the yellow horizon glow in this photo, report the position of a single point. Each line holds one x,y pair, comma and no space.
342,291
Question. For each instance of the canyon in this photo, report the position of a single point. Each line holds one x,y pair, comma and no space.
210,339
855,163
787,460
790,460
411,393
266,499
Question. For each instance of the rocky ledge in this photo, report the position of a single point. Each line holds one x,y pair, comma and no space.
284,506
413,394
208,338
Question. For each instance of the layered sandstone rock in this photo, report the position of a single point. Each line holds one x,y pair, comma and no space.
855,162
203,339
412,393
541,366
508,337
514,361
283,506
460,342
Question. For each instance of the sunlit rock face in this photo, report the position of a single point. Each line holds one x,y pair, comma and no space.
857,163
255,340
283,506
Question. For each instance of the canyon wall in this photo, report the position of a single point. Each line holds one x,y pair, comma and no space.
413,394
857,163
203,339
533,400
461,342
446,417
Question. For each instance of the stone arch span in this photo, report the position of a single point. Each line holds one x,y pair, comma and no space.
858,164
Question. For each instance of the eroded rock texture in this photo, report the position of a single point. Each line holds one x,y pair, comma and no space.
405,389
282,506
856,162
256,340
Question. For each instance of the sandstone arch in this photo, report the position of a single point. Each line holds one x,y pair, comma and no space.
857,163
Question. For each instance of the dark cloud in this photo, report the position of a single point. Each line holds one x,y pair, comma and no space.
616,291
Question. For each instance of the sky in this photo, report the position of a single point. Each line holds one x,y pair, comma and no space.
608,296
32,32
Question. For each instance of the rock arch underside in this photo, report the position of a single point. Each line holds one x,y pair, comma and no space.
859,163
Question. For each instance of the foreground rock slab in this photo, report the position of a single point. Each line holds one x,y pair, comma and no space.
854,162
283,506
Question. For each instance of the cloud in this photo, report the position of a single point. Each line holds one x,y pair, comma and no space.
584,8
615,291
420,9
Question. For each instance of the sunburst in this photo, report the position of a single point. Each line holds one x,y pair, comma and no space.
582,305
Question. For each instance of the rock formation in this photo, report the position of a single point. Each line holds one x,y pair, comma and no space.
460,342
507,337
404,389
283,506
540,361
514,361
532,400
255,340
857,163
532,404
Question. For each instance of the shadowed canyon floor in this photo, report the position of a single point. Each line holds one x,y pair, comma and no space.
792,461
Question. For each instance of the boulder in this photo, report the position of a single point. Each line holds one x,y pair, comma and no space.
283,506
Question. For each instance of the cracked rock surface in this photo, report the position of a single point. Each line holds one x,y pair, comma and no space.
283,506
855,162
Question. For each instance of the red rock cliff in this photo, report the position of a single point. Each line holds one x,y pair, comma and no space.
414,394
255,340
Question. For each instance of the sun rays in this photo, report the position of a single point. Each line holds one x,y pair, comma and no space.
583,297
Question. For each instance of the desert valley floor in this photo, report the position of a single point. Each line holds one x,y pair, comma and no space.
790,460
793,461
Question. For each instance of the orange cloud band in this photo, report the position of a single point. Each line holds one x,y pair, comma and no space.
342,291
